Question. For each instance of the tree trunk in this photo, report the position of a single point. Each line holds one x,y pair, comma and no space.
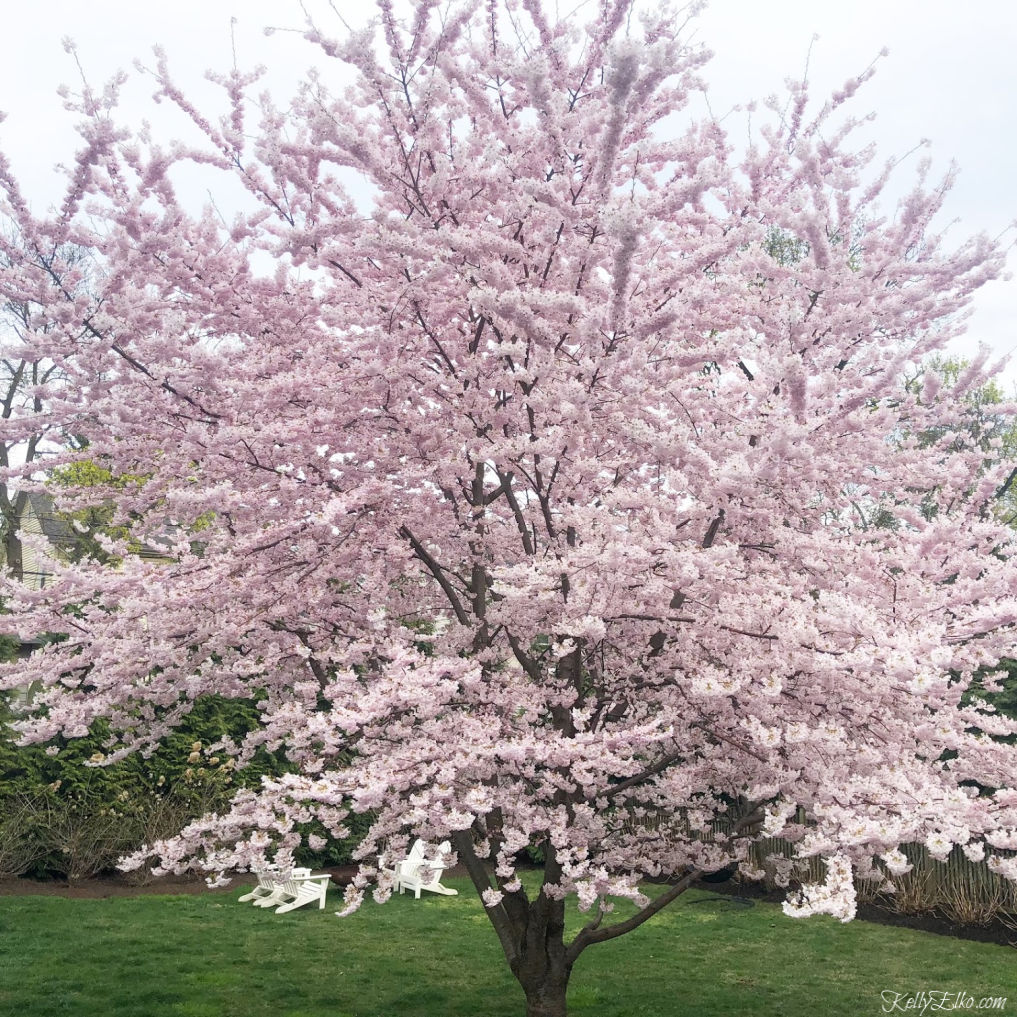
12,512
548,1000
13,552
543,970
532,933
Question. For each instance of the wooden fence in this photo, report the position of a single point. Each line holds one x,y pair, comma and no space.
958,889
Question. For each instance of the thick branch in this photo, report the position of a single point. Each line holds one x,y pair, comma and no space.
651,771
593,933
498,915
436,570
526,662
517,512
711,533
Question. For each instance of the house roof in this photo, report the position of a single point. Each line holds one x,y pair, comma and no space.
56,529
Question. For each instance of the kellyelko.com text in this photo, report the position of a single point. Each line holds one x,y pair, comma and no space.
938,1001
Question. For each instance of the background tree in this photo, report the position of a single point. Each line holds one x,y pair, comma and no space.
989,421
529,495
29,432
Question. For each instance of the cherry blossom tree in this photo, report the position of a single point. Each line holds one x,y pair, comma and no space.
532,502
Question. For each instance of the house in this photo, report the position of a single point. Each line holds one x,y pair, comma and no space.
41,518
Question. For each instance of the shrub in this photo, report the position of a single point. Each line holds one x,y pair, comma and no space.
21,847
65,815
335,852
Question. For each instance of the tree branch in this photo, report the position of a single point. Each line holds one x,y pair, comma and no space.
436,570
593,933
651,771
711,533
498,915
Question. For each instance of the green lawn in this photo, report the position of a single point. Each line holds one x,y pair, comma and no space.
208,956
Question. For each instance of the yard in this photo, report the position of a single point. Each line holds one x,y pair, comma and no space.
209,956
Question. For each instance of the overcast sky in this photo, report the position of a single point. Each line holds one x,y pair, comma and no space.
951,77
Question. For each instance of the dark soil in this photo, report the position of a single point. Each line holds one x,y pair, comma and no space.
121,886
992,932
743,894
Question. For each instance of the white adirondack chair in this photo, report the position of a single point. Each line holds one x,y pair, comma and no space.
265,888
424,873
302,890
275,885
416,854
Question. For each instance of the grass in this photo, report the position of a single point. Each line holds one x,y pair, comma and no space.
208,956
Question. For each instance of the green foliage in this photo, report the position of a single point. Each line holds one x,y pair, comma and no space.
9,647
335,852
73,762
982,426
784,247
787,249
95,520
98,519
82,816
64,813
534,853
1005,699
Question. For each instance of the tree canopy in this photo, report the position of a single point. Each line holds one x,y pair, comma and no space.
535,499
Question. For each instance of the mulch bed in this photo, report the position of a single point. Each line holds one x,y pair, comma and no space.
993,932
118,886
99,887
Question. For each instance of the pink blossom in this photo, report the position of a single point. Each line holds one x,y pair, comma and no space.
492,898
